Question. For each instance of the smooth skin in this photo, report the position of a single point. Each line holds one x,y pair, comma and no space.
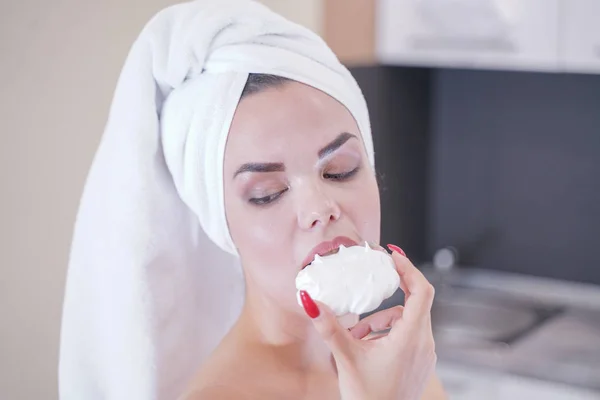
296,173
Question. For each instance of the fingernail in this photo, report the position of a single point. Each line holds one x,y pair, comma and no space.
396,249
310,307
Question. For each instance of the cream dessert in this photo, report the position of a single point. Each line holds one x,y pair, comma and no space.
354,280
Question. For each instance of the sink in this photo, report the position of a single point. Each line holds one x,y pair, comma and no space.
464,318
567,349
518,326
463,315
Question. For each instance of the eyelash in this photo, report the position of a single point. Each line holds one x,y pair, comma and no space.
263,201
343,176
266,200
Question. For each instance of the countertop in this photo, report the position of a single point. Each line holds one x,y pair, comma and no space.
560,356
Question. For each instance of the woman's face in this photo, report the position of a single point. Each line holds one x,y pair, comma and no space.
296,174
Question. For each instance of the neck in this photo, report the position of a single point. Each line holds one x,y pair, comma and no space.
288,333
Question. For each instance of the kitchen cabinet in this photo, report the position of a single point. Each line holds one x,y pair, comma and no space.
528,35
580,36
487,34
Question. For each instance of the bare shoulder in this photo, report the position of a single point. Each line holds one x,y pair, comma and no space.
213,393
236,370
216,382
223,378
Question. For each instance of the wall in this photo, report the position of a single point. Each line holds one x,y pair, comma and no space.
60,61
59,65
502,165
514,182
309,13
399,101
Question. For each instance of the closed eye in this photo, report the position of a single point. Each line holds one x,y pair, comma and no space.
262,201
341,176
269,199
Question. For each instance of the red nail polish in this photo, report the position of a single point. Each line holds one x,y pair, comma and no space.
396,249
310,307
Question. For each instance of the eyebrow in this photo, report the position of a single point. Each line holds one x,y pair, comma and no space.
259,167
336,144
279,167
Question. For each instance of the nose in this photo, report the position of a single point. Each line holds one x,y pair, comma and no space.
316,208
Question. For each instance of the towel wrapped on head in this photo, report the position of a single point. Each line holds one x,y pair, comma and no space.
149,295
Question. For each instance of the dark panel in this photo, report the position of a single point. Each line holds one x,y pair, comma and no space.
399,104
516,171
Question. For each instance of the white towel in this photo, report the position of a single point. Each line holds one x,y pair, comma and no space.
148,294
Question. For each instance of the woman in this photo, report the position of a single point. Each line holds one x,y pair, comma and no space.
231,126
294,179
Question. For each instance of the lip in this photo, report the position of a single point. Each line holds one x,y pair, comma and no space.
326,247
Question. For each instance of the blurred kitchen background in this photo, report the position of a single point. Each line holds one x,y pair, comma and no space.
486,122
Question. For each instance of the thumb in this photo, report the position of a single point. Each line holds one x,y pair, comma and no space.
335,336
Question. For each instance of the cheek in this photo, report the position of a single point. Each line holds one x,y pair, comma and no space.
264,242
261,235
365,211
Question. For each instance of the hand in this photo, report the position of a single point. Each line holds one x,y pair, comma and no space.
396,366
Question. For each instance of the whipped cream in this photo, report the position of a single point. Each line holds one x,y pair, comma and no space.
355,280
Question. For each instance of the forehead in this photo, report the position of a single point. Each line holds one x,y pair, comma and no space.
290,118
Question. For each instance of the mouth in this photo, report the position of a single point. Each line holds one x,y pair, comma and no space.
328,248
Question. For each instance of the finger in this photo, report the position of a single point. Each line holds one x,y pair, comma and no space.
376,322
396,249
375,246
375,336
335,336
419,292
404,289
378,247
